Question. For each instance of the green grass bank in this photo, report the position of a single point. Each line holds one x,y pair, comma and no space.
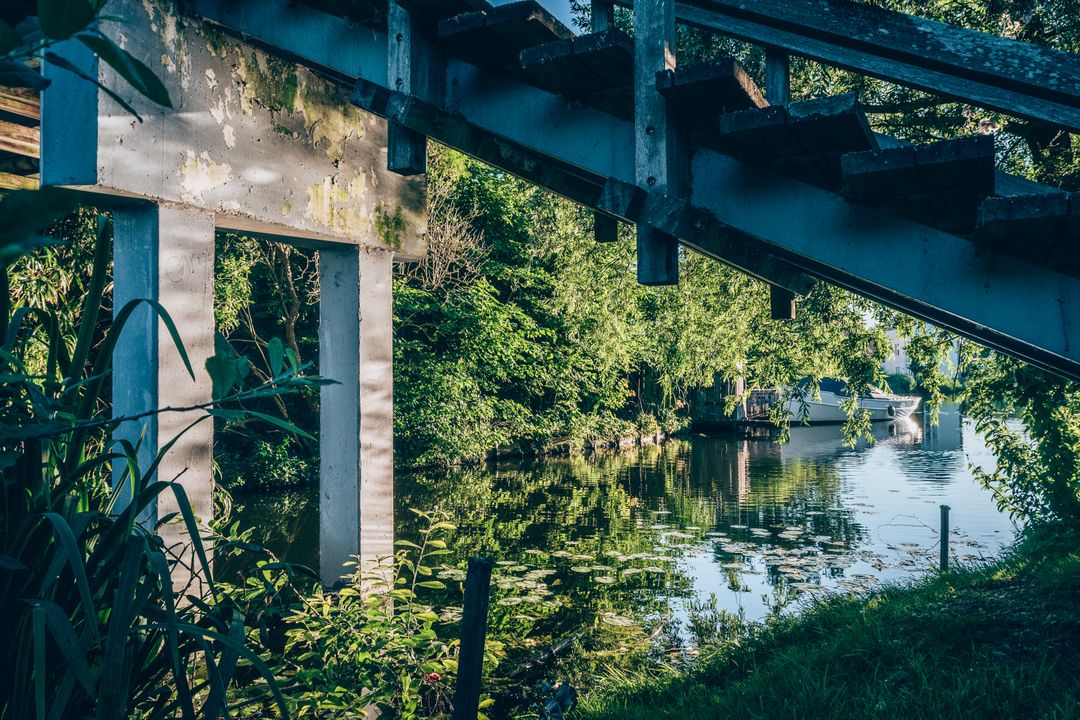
995,641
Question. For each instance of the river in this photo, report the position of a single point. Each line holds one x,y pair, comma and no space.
669,541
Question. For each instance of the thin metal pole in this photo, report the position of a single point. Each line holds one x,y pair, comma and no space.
473,630
944,537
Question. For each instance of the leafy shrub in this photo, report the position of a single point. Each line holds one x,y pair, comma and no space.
375,642
93,623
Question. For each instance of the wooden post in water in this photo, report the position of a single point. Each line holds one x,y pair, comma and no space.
473,630
944,537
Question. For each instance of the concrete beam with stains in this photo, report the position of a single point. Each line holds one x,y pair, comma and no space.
266,145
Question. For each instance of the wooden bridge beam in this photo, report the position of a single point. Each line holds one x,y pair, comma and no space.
602,19
1004,303
778,92
990,71
658,150
415,67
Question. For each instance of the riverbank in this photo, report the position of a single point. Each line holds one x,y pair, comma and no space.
997,641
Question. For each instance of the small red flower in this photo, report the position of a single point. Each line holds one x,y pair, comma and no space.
432,677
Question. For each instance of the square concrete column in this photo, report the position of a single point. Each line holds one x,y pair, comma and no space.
167,255
356,433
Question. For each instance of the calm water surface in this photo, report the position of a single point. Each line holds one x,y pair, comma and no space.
654,532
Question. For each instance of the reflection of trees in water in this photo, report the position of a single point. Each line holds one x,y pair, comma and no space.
581,508
285,522
613,511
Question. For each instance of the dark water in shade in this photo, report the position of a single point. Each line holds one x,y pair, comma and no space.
650,532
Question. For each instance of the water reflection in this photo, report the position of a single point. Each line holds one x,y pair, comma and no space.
641,535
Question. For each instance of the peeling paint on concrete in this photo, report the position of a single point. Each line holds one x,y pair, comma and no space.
332,203
272,145
199,175
331,120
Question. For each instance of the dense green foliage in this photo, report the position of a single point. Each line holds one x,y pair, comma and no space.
374,645
982,642
264,291
551,338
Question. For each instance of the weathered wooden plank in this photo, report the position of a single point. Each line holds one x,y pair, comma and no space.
18,164
414,66
658,162
1015,223
940,184
20,139
1042,229
965,162
596,70
755,134
372,13
10,181
702,91
1011,76
1006,185
495,38
20,103
804,140
434,10
608,56
831,125
956,176
874,175
826,128
602,16
473,631
777,76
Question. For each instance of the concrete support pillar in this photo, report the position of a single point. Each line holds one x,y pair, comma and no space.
356,443
166,254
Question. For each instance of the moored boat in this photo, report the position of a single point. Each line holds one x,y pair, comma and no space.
827,405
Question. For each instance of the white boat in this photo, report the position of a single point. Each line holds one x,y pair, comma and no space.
828,405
